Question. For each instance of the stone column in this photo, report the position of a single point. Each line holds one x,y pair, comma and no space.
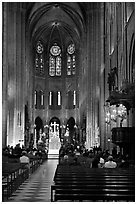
95,99
4,77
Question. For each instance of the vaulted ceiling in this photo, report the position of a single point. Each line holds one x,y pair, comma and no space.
59,21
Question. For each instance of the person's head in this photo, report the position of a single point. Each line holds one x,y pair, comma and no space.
110,158
101,161
65,157
24,153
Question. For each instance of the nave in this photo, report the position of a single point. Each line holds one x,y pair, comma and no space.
68,77
37,187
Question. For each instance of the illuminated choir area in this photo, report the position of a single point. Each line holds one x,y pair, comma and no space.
53,135
69,75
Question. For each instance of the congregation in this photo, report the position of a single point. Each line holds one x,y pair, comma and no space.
93,158
70,154
10,154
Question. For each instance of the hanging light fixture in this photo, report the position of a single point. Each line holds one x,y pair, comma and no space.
122,111
107,113
115,111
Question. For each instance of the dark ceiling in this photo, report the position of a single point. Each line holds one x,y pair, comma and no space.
58,21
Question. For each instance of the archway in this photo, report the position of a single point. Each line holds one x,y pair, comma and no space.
54,136
39,129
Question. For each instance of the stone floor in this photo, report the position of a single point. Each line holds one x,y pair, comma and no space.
37,188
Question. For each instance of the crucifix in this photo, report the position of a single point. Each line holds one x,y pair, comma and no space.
54,126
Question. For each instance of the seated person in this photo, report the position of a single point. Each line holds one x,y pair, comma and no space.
94,163
65,159
110,163
124,164
24,159
75,161
101,163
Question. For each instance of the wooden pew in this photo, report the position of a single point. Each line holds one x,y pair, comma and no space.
14,174
72,184
12,178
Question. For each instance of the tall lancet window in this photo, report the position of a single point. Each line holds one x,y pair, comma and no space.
50,98
59,98
35,98
74,98
41,98
39,59
71,60
55,61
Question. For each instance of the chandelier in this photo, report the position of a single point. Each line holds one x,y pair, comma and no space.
113,112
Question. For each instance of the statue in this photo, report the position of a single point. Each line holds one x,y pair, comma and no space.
112,76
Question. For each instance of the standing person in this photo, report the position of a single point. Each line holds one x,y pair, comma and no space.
25,161
110,163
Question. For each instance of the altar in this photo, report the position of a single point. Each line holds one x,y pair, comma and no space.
54,139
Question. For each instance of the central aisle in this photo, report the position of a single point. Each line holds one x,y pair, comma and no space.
37,188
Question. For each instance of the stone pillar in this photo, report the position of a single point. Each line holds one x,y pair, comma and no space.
11,63
102,81
95,99
13,72
5,77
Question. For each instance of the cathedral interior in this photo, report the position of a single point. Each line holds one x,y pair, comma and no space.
68,75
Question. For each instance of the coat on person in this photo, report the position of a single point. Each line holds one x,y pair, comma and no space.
110,163
24,160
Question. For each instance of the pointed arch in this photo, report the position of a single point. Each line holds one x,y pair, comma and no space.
38,123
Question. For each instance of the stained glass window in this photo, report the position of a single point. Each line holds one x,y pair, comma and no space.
71,60
39,60
52,66
55,61
71,49
58,66
39,99
55,50
39,47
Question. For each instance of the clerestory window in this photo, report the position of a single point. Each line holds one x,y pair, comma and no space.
55,100
39,58
71,99
55,60
71,60
39,99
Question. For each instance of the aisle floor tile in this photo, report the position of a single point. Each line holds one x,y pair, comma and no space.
38,187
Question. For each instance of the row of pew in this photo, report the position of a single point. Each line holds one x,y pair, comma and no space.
76,183
14,174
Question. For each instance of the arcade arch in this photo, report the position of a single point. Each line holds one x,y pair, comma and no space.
38,128
70,133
